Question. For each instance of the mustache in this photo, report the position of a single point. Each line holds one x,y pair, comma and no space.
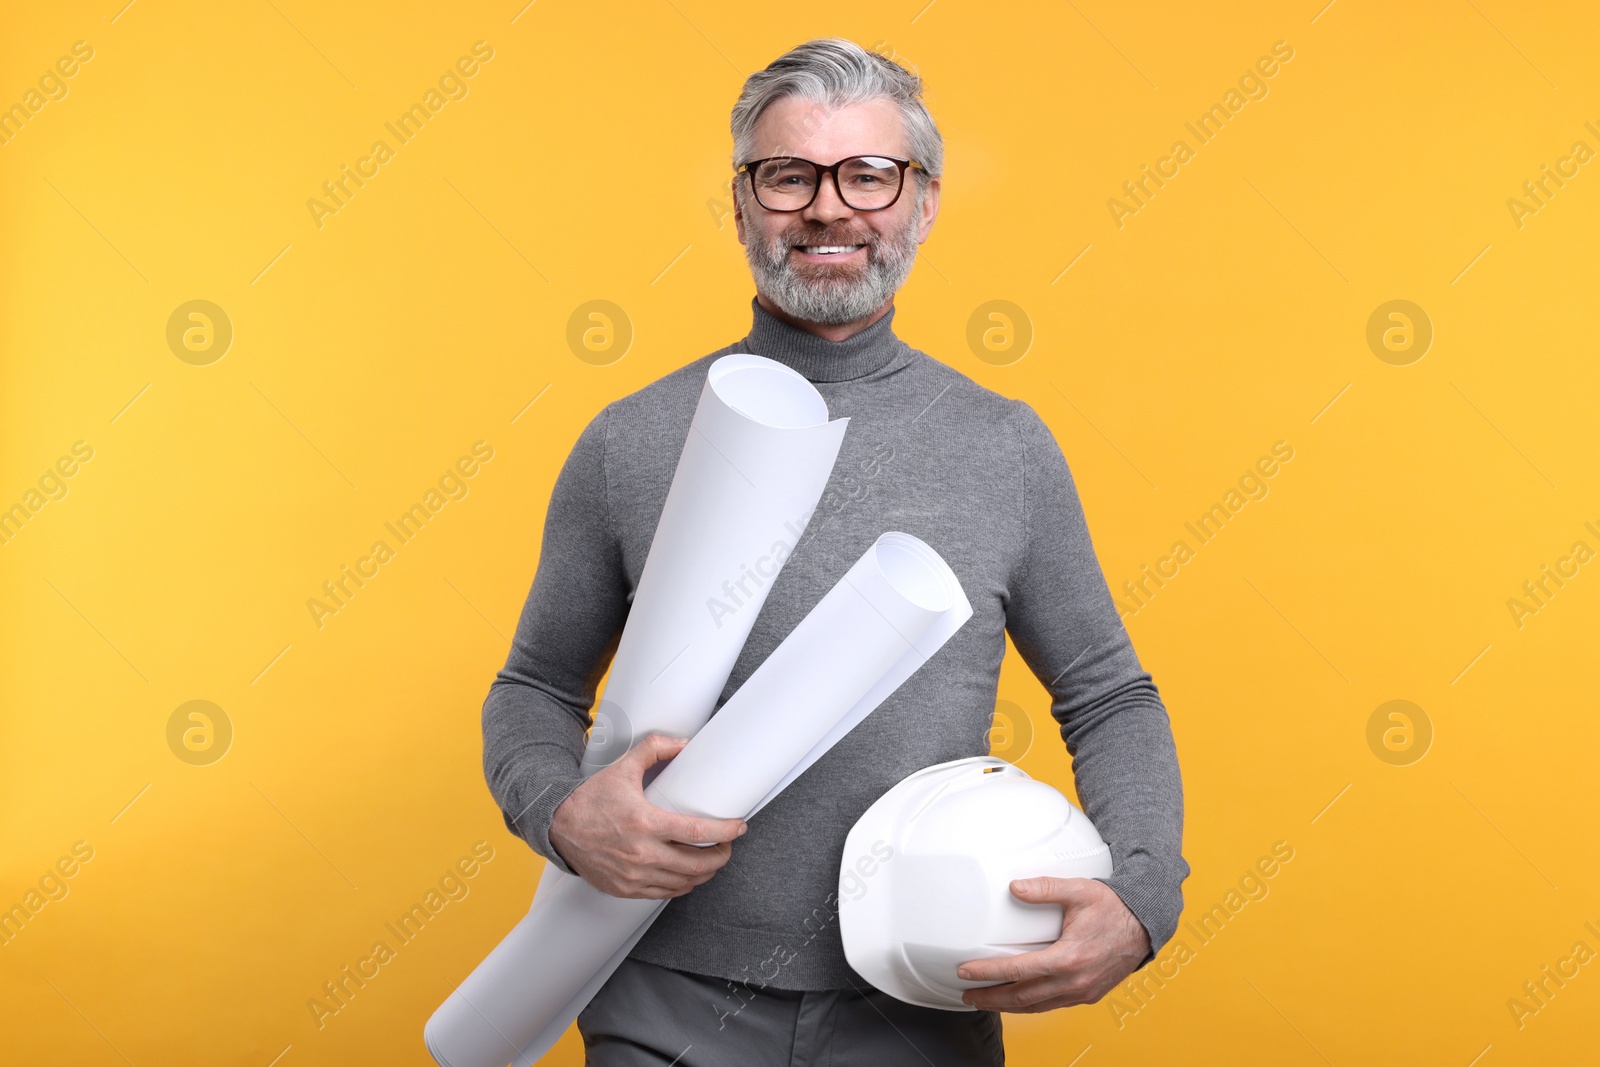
825,237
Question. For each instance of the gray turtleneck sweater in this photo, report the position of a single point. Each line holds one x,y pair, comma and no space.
977,476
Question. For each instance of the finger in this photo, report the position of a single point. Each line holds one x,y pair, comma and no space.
1037,994
671,881
1016,968
651,749
694,862
656,892
635,887
696,830
679,884
681,861
1046,890
648,752
646,876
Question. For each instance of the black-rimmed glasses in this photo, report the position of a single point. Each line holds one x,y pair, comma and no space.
864,183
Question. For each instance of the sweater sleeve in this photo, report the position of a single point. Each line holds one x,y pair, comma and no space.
537,710
1063,622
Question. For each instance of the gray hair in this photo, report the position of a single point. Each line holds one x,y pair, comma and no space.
836,73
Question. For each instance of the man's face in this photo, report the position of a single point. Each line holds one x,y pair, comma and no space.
836,287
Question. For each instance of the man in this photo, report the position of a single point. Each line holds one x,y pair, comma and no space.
838,165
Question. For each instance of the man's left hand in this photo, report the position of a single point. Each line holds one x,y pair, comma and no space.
1101,943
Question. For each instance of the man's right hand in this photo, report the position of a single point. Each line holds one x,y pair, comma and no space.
622,844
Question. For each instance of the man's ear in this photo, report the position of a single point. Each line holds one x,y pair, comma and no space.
930,210
738,215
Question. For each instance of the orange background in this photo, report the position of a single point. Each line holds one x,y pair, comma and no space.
588,160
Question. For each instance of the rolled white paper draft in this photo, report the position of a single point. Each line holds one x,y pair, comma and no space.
758,454
886,617
890,612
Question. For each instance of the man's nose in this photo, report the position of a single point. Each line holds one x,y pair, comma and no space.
827,206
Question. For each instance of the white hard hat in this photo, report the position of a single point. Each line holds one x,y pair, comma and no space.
925,883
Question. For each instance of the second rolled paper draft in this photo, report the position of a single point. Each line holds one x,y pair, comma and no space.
887,616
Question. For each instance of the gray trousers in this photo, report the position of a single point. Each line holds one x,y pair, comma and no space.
650,1016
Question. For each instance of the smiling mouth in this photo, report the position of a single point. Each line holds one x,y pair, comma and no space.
828,250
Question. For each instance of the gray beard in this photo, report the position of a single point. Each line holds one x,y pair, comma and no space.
834,295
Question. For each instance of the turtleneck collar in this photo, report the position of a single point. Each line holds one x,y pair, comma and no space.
821,360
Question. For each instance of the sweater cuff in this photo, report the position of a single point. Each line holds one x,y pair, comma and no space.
531,820
1151,899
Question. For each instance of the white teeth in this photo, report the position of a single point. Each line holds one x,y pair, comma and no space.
827,250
